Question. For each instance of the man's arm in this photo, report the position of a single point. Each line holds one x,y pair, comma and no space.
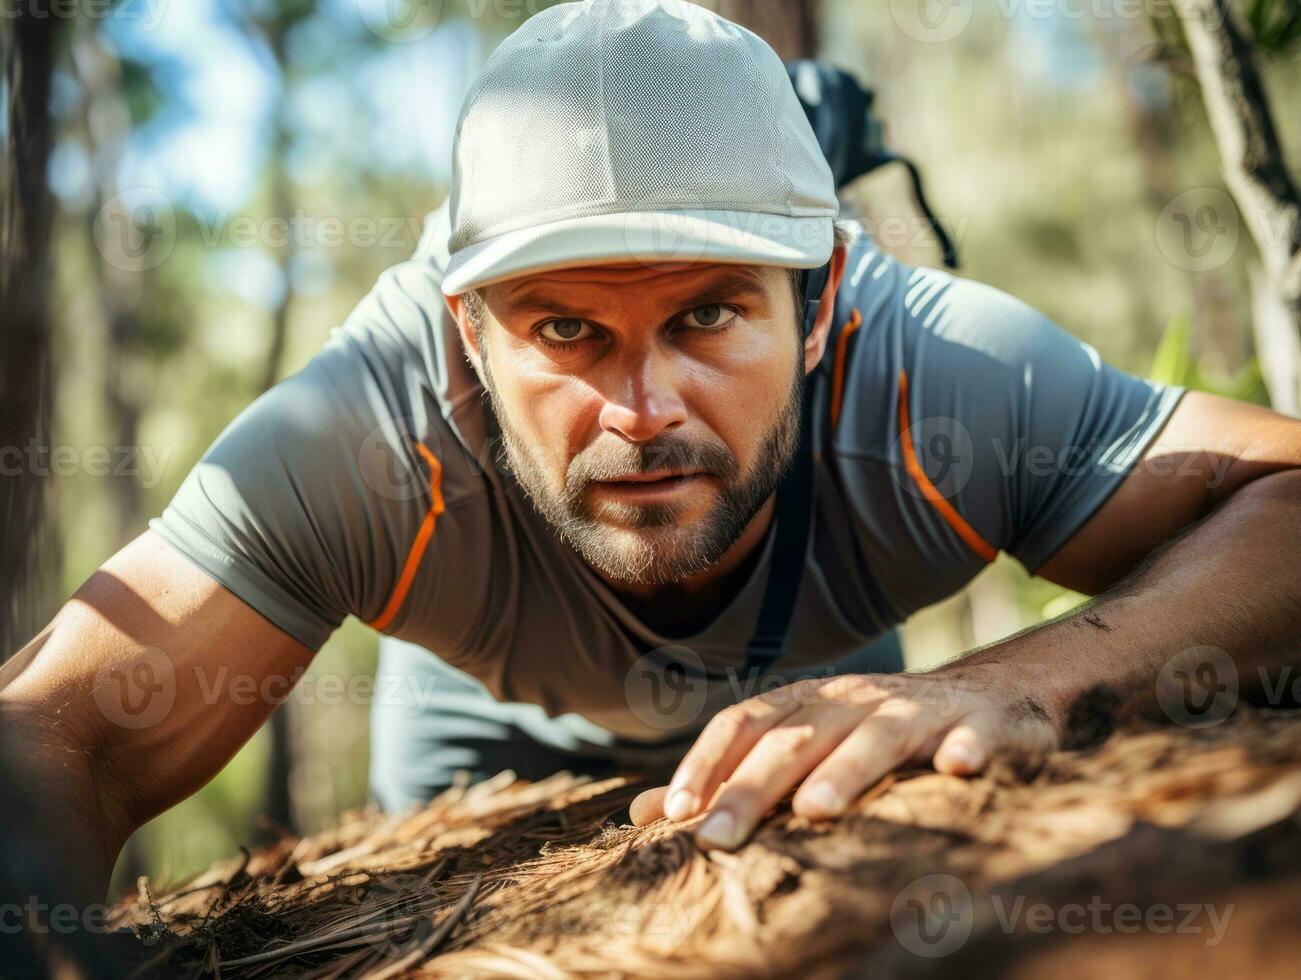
1197,553
124,704
1230,584
1209,449
306,509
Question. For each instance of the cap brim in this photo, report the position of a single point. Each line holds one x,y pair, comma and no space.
653,238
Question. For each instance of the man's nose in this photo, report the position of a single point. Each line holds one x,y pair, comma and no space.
643,401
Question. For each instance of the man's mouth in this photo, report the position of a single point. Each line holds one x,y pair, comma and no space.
649,486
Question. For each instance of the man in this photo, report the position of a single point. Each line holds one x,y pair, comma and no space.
715,419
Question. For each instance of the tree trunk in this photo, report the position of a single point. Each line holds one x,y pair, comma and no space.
1256,173
278,804
28,559
790,26
120,293
30,863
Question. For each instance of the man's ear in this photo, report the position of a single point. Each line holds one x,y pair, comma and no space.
816,342
469,341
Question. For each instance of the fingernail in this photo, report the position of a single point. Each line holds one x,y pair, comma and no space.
823,796
680,805
720,830
964,755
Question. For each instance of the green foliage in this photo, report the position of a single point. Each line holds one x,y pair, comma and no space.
1275,25
1174,364
139,89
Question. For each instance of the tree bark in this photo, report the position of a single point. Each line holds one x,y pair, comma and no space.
28,560
1256,172
279,813
790,26
31,864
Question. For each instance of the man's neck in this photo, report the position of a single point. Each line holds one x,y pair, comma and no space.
686,606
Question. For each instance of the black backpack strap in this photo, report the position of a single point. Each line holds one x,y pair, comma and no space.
948,250
841,112
794,515
812,283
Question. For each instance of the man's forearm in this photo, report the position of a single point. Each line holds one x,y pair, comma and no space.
56,809
1225,595
1228,590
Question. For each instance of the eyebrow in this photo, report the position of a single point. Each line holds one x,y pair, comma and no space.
728,285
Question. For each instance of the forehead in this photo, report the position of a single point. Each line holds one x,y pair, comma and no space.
590,287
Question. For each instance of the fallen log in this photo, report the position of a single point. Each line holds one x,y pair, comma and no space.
1154,853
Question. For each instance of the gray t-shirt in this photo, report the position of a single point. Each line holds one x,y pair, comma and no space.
957,422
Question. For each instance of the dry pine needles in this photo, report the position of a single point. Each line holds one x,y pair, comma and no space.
514,879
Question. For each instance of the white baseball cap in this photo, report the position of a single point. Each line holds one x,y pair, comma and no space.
651,131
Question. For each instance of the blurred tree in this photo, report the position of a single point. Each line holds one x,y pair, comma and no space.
27,557
268,28
1174,364
790,26
1255,167
115,97
31,871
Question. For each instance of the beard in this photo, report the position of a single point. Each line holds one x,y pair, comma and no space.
648,544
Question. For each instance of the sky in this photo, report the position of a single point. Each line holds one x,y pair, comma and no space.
207,146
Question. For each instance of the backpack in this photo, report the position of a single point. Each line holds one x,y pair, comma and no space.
851,136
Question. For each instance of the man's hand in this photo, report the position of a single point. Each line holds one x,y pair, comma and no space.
143,686
1230,585
835,737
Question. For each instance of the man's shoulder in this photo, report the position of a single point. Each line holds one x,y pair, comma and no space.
401,344
905,316
953,344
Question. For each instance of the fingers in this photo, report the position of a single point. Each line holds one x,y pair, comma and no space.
833,739
725,741
981,734
779,760
648,806
881,743
964,751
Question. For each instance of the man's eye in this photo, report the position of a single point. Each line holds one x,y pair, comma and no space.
565,331
706,317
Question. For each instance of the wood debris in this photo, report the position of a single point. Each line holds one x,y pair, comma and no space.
514,879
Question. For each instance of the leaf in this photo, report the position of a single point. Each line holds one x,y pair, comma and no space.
1172,363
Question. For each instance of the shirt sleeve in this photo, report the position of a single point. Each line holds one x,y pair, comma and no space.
307,505
1004,432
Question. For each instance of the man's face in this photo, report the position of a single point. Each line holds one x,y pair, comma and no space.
648,412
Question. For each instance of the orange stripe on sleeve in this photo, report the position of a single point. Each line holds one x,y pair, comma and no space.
418,546
928,490
838,369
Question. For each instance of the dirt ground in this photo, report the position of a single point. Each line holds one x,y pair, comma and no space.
1156,853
